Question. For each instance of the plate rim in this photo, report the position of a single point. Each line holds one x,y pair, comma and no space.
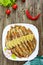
24,25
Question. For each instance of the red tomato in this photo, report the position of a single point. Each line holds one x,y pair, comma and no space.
8,12
23,0
14,6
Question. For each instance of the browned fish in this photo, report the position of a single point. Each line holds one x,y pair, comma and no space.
24,49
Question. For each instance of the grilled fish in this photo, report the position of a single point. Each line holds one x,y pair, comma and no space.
19,42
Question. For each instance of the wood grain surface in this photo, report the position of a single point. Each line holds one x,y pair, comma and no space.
18,16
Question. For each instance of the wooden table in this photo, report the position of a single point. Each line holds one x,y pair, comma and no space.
19,16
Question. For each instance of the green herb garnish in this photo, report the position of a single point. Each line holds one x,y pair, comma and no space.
7,2
5,49
13,56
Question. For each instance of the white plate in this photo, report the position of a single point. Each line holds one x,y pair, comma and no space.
7,53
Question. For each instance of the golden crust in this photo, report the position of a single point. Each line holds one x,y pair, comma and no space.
24,49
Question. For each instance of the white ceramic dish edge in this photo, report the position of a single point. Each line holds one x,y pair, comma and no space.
33,29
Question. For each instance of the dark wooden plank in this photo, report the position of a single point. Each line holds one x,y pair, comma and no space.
42,24
39,24
1,30
19,16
